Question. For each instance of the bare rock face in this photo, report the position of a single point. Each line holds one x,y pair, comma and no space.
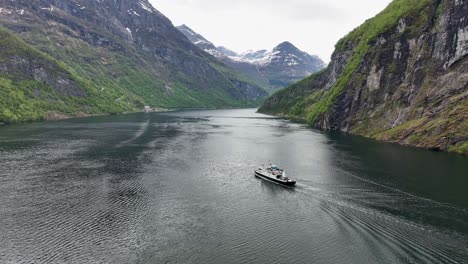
410,87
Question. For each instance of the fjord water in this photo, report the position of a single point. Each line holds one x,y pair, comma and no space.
179,188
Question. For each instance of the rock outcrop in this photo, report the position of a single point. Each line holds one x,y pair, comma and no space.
400,77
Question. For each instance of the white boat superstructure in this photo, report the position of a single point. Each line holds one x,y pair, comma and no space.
275,174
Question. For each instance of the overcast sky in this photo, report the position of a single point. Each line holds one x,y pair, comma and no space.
312,25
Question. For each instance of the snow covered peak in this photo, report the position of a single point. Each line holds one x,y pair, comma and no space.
284,63
286,45
285,54
288,48
273,69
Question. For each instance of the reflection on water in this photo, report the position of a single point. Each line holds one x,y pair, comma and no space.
179,188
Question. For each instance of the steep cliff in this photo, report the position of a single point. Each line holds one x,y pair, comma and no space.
127,50
400,77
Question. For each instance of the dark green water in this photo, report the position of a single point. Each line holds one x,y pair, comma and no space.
179,188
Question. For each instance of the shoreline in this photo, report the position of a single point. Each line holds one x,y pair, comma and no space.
394,142
83,115
58,116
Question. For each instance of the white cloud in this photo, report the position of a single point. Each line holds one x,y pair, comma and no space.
312,25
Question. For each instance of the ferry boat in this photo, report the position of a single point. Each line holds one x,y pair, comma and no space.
274,174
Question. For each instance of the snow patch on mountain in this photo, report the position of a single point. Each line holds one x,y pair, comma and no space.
261,57
145,7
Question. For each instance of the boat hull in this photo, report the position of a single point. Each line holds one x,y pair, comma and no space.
273,179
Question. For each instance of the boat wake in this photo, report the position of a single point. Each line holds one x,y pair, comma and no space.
389,234
143,128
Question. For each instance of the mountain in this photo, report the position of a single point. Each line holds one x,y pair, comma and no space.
226,51
400,77
200,41
275,69
284,65
106,56
33,86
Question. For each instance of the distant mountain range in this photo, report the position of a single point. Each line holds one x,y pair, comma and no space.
80,57
275,69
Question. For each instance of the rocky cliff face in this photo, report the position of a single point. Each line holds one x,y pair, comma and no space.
275,69
400,77
130,48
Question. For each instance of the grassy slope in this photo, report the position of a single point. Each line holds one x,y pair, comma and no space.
23,99
111,70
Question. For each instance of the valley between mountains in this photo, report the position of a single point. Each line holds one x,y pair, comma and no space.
400,77
75,58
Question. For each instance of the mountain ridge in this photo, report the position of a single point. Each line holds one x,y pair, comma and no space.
274,69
